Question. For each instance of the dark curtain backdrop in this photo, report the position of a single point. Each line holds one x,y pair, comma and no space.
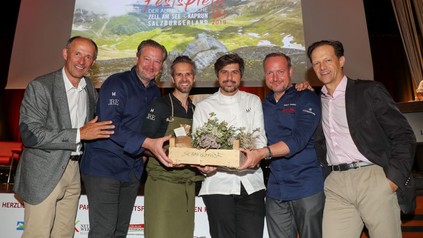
10,100
10,114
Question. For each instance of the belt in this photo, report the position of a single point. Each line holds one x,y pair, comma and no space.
75,157
353,165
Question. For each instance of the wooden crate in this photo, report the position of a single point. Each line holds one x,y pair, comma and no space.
180,153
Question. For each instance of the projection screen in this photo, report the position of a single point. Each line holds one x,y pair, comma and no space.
251,28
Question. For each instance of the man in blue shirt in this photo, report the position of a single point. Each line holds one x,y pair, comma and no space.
111,168
295,198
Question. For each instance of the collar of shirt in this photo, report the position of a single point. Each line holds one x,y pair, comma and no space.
340,89
228,99
271,96
68,85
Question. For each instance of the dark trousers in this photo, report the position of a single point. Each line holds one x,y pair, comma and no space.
111,203
236,216
286,218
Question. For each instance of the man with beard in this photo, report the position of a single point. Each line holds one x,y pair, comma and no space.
111,169
169,193
234,198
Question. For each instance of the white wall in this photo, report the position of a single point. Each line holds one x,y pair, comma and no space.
42,30
344,21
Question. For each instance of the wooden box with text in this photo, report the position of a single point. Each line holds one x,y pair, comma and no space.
181,152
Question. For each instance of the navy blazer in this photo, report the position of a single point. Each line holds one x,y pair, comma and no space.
381,133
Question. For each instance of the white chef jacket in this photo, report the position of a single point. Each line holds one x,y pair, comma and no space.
240,110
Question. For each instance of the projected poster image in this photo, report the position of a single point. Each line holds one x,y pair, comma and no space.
201,29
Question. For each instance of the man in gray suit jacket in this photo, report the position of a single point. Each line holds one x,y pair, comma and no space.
56,116
367,147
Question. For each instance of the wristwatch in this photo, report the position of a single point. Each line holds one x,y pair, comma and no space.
269,153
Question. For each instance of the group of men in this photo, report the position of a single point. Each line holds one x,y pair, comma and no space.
353,135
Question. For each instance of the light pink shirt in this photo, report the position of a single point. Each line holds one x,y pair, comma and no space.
340,146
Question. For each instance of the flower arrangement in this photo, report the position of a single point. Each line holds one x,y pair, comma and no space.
215,134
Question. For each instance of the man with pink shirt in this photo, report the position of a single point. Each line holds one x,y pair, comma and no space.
367,148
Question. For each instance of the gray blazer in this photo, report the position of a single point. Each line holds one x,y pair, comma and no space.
47,134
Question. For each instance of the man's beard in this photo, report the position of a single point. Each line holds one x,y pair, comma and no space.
186,89
229,89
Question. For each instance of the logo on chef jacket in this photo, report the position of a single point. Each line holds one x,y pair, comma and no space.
150,115
310,111
289,108
113,101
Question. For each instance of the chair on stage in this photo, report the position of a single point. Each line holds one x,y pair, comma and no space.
10,152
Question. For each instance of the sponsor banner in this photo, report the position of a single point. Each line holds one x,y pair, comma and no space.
12,218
